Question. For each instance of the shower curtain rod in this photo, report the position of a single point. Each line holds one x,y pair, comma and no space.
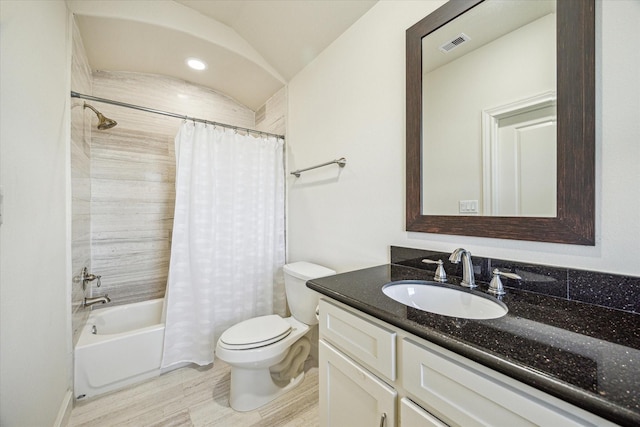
166,113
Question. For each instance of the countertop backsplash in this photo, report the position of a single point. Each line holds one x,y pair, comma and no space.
604,289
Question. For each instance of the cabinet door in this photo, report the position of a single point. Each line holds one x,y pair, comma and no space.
412,415
350,395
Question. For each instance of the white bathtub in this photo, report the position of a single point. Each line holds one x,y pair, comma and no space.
126,348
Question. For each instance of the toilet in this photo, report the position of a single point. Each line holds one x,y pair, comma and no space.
267,353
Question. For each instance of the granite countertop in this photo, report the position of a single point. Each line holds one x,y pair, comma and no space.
584,354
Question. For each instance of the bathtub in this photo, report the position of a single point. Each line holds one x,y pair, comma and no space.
126,348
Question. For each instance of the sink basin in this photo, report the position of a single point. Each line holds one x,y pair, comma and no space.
436,298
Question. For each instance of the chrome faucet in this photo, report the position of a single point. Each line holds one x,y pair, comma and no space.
88,302
468,278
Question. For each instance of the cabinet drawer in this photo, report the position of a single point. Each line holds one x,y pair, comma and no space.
463,393
411,415
369,343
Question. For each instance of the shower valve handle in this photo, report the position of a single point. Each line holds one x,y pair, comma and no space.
87,277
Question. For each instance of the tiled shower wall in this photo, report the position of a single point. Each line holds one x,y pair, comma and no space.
133,175
124,195
271,116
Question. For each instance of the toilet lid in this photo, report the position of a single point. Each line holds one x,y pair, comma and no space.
256,332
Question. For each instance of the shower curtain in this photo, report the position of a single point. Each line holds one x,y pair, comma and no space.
227,248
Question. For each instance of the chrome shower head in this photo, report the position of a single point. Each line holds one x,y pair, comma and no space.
103,122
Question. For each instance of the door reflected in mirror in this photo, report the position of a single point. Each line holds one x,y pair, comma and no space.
489,112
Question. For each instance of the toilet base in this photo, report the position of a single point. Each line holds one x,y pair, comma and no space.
262,390
261,374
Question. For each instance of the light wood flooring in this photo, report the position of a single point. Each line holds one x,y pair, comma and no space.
196,397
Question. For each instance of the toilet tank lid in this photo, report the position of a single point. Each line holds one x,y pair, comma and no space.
306,270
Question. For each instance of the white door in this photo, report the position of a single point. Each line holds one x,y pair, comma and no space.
526,155
519,154
350,395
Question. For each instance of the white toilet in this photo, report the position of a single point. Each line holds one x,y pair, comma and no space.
267,353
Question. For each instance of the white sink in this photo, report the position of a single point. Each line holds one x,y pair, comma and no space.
435,298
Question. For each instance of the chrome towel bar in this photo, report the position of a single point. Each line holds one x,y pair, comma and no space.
340,162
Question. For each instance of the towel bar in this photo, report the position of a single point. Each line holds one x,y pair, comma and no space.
340,162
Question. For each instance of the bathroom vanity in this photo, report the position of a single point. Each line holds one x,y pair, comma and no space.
549,361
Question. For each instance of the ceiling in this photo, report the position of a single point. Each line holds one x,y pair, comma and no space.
252,48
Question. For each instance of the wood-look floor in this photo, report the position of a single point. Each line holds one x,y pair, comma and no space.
196,397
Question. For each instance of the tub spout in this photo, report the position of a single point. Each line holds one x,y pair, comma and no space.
88,302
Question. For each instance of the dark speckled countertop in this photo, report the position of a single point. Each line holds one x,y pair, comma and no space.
584,354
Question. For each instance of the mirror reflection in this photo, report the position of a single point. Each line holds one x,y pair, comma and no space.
489,112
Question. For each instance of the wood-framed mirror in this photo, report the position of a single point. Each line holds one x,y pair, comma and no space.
574,218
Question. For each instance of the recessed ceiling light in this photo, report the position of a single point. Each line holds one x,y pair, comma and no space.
196,64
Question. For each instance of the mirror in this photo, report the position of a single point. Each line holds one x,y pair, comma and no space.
503,131
460,189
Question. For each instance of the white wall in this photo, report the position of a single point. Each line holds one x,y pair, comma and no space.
351,102
35,331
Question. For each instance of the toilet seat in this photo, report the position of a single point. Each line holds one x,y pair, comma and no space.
255,332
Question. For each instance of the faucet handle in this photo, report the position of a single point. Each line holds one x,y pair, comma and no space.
440,275
87,277
495,286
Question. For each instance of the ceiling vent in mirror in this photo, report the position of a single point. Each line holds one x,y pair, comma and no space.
454,43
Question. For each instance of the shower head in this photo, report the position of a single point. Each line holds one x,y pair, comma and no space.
103,122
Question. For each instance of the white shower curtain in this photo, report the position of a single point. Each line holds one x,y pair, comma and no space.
227,248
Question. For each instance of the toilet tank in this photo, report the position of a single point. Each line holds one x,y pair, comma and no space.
302,300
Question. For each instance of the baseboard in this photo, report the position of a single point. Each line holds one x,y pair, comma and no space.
64,413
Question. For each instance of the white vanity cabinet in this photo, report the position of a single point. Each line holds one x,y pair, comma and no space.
358,373
350,394
374,374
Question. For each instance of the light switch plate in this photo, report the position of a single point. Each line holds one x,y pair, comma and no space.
468,206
